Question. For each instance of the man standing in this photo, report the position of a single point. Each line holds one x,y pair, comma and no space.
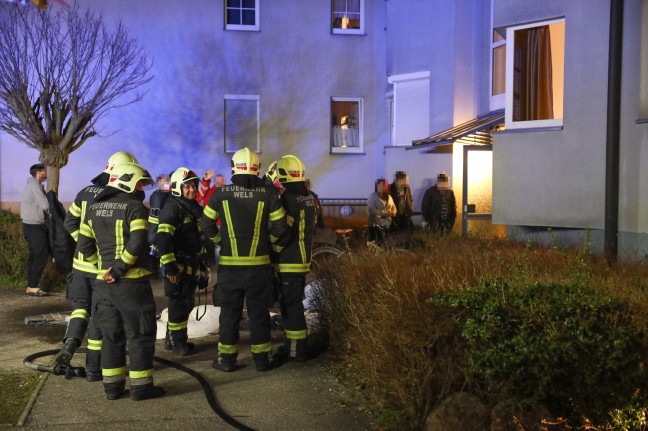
116,225
439,206
294,259
402,197
179,244
84,274
33,210
251,219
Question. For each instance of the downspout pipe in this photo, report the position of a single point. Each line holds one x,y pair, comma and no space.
613,132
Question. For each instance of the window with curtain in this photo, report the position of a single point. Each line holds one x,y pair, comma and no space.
643,91
241,122
242,15
346,125
498,71
347,16
535,56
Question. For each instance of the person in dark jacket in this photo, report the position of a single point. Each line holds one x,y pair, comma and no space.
156,203
251,219
116,227
402,196
295,258
439,206
84,274
179,245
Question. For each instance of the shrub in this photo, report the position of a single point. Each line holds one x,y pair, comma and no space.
13,250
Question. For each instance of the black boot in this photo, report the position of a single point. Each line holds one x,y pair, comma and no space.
261,361
179,343
301,351
225,362
65,355
146,392
115,390
167,341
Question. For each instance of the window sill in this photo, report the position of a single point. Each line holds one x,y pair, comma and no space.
354,32
241,28
642,121
529,130
349,151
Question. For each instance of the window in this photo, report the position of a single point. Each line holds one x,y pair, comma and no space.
346,125
535,57
347,16
411,107
241,122
242,15
498,71
643,92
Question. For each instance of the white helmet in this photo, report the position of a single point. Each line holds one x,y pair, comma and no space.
181,177
290,169
245,161
118,158
126,176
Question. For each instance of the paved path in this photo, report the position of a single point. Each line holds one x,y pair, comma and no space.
291,397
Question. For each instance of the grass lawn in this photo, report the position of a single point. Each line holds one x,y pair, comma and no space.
15,391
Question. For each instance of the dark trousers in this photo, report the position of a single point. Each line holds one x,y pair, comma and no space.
81,320
292,307
181,301
125,311
254,286
37,243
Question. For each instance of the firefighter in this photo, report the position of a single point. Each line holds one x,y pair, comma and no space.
251,219
294,259
116,227
84,272
179,244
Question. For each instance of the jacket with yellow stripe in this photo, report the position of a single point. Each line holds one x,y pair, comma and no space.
116,225
178,236
301,216
251,218
73,218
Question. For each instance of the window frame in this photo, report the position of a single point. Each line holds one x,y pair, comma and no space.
495,101
242,27
360,30
642,111
253,97
348,150
510,64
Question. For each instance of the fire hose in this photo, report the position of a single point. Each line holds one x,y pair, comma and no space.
69,372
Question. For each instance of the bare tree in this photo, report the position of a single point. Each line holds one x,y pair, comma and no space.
61,70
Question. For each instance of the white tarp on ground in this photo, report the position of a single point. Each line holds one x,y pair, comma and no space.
207,325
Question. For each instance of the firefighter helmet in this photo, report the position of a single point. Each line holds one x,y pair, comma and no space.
125,177
118,158
290,169
245,161
181,177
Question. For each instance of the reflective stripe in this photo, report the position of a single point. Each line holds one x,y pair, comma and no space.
165,227
84,210
75,235
296,335
80,313
302,228
230,228
166,258
140,374
177,326
290,220
119,238
228,349
277,248
138,224
244,260
75,210
294,267
128,258
153,220
111,372
133,273
277,215
261,348
86,230
257,229
83,266
187,219
210,213
94,344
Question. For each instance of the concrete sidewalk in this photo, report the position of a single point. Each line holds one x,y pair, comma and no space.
291,397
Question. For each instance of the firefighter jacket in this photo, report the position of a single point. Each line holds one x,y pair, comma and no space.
82,264
251,218
178,237
156,202
116,225
301,217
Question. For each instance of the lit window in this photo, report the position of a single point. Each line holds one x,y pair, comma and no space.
347,16
242,15
535,57
498,71
241,122
346,125
643,92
